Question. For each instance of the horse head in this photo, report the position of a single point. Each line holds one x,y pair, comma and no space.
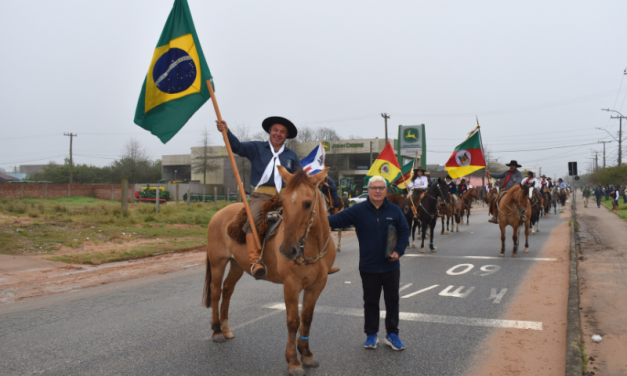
302,203
443,190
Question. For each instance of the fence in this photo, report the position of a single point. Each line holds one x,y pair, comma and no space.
49,190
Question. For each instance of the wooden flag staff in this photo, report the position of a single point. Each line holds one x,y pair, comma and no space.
234,165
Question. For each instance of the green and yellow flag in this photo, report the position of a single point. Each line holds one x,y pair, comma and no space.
404,176
174,88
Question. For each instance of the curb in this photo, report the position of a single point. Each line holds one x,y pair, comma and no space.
574,359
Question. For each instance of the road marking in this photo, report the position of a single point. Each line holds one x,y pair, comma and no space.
405,287
421,317
418,292
483,257
497,297
257,319
458,292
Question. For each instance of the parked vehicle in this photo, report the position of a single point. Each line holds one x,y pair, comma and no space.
358,199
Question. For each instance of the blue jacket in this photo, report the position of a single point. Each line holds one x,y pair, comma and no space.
372,232
259,155
452,187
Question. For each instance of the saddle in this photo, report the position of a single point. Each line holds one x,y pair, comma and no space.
235,229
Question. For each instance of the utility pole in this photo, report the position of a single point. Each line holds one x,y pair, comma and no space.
605,142
620,118
71,163
386,117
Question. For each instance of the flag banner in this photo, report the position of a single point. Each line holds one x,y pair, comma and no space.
404,176
314,162
467,157
174,88
386,165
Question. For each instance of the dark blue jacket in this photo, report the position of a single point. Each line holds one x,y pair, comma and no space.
452,187
333,192
372,232
259,155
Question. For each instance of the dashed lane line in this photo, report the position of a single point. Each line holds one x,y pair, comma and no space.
418,292
422,317
483,257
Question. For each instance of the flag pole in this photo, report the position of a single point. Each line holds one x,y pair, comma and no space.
235,170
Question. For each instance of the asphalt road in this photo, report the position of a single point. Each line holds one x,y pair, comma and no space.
156,325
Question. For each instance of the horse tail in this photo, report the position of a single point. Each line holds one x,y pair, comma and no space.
206,294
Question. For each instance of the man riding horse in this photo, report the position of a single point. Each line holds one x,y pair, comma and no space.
264,158
512,177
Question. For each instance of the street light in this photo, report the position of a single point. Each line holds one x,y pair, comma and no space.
620,132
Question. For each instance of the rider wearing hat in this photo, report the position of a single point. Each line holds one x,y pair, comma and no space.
543,182
264,158
512,177
532,182
549,183
452,187
561,184
462,187
419,180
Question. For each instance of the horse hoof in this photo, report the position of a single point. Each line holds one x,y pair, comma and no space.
501,254
413,245
526,250
433,251
311,362
228,335
422,250
447,233
514,255
219,338
533,232
296,372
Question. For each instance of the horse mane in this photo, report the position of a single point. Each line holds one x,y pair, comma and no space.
299,177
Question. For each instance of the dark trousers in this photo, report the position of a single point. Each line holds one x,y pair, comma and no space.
624,199
599,201
372,284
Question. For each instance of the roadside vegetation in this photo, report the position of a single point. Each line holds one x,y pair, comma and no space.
63,228
622,207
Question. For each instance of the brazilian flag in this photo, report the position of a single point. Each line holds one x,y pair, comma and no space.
174,88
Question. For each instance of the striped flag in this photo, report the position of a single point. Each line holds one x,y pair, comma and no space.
314,162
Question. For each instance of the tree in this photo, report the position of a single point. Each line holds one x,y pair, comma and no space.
203,163
134,160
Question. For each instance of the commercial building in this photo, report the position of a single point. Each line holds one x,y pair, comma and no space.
349,162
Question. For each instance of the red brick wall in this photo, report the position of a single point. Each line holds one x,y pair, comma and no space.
38,190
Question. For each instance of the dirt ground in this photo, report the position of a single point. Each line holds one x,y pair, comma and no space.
532,352
24,277
602,272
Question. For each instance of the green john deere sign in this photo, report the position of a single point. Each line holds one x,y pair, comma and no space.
411,135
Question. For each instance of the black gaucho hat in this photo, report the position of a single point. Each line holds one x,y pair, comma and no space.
513,162
448,177
269,122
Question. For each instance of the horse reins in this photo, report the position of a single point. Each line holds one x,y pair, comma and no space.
306,260
435,200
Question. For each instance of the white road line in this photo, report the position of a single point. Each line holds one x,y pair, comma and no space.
436,319
418,292
483,257
256,319
405,287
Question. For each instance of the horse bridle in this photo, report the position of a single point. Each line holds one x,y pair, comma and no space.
306,260
436,202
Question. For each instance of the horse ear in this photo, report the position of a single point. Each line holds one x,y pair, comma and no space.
319,177
285,174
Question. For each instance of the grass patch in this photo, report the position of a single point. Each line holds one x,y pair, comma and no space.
129,254
42,227
622,207
584,359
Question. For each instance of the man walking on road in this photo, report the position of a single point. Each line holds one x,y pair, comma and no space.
586,196
598,193
372,220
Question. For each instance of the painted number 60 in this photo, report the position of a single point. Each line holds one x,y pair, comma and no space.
465,268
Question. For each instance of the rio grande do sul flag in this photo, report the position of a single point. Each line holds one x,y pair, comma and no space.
174,88
386,165
467,157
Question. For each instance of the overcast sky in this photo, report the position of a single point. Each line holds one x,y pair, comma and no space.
537,73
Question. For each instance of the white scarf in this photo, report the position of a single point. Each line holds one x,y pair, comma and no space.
272,167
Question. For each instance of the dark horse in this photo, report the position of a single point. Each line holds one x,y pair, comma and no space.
428,211
467,199
537,203
408,208
546,196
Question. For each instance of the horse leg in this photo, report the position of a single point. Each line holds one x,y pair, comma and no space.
235,273
423,232
309,302
432,226
339,240
468,217
457,218
448,218
217,273
291,293
527,235
515,235
413,233
502,228
442,232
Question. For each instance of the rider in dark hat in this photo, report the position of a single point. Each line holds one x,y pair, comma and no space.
452,187
462,187
512,177
264,158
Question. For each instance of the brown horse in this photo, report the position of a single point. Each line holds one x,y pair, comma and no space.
299,256
466,204
451,211
546,196
537,203
490,198
514,209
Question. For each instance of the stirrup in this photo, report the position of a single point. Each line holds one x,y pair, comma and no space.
265,270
